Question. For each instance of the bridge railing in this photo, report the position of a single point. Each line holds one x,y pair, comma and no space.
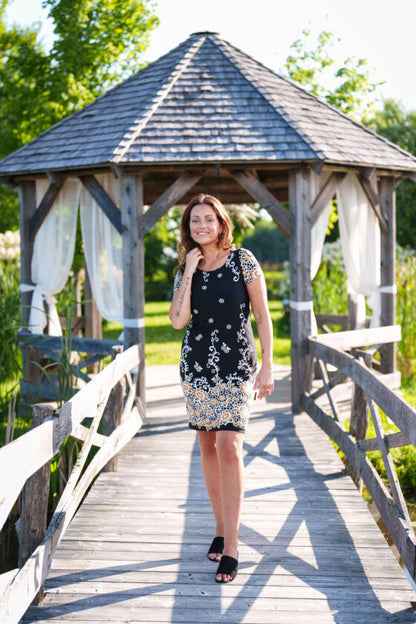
23,463
340,356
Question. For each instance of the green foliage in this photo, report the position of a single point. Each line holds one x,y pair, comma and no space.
329,288
9,209
242,217
399,126
406,313
97,43
160,248
267,242
10,359
311,65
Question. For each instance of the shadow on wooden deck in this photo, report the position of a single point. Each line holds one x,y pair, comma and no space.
310,552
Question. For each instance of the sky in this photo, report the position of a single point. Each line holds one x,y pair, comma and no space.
379,31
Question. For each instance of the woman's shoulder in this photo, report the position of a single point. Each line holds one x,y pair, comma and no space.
249,264
246,254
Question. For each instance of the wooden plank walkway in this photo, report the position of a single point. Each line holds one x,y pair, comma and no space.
310,551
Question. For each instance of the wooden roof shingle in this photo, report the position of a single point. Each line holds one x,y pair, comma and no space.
205,102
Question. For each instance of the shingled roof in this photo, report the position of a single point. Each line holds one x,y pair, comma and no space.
205,102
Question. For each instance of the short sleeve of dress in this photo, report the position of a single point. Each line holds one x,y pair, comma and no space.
178,281
250,266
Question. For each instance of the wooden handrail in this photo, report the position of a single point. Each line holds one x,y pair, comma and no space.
331,349
27,454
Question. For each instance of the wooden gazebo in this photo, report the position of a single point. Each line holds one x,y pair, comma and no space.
207,117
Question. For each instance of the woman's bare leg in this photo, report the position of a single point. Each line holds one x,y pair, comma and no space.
231,469
211,472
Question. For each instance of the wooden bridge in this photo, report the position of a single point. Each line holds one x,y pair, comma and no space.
310,550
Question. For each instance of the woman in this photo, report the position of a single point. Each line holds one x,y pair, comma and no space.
214,287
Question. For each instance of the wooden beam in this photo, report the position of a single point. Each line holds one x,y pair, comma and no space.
251,183
388,271
325,195
393,440
43,209
27,200
8,182
356,338
374,200
169,198
103,200
133,271
367,172
300,279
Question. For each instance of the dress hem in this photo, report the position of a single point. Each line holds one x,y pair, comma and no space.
223,428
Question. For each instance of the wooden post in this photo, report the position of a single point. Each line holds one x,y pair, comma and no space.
300,279
113,412
359,419
93,323
388,270
27,208
133,271
352,313
31,526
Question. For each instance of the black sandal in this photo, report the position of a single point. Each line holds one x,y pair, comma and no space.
228,565
216,547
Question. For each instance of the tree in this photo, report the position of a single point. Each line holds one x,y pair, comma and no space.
349,88
97,43
399,126
268,243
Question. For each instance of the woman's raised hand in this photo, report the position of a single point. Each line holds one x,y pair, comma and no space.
193,258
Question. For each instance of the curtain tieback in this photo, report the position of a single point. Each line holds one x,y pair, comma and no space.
133,323
301,306
27,287
388,290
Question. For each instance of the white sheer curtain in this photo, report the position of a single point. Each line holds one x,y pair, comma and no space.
318,233
360,240
103,250
53,252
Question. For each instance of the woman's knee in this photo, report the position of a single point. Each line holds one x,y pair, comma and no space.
207,442
230,447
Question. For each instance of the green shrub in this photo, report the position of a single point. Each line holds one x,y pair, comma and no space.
329,287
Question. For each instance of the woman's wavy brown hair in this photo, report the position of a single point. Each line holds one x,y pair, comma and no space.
186,243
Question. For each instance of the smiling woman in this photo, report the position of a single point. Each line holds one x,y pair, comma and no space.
214,288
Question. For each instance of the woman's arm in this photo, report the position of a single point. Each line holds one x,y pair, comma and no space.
180,309
257,293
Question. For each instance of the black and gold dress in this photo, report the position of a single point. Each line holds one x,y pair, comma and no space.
219,359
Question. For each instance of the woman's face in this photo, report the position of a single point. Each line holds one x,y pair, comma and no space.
204,225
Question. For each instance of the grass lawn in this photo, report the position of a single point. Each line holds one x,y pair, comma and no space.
163,343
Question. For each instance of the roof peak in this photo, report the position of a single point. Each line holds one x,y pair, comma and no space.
205,101
204,32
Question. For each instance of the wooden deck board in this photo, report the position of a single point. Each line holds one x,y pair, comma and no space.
310,551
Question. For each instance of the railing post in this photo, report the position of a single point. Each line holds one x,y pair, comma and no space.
359,420
113,412
31,526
